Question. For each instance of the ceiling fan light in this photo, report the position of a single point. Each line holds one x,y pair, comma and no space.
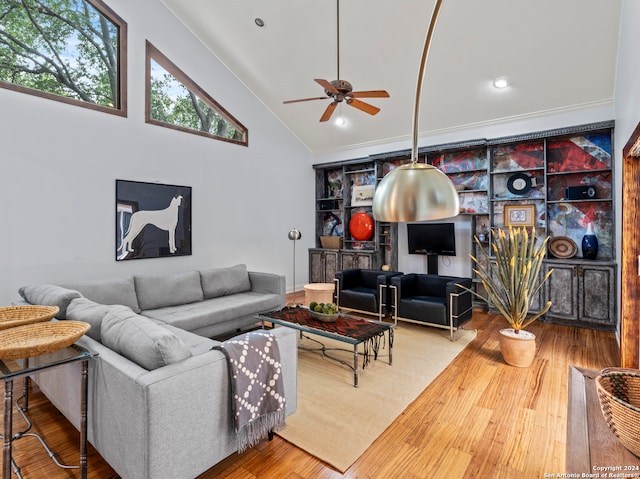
501,82
340,121
415,192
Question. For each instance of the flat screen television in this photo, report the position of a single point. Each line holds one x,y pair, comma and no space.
432,238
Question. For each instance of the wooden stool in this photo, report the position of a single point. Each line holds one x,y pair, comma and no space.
318,292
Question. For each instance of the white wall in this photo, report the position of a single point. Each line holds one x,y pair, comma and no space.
60,163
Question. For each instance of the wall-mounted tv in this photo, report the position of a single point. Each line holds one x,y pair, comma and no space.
432,238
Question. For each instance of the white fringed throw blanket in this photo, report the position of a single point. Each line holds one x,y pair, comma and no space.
257,386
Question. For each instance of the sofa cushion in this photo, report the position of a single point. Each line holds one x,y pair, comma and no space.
231,308
141,340
83,309
168,289
223,281
49,295
108,291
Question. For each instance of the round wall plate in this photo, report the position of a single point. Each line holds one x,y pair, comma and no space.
562,247
519,184
361,226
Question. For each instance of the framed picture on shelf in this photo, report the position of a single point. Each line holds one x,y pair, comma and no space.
362,195
519,215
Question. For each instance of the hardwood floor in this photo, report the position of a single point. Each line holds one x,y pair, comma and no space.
479,419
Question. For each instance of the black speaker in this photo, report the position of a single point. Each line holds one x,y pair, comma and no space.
579,192
326,205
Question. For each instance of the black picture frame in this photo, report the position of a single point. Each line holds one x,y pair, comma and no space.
153,220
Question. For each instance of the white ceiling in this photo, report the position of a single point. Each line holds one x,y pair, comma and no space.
559,55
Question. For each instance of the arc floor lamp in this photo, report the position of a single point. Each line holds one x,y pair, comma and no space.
416,191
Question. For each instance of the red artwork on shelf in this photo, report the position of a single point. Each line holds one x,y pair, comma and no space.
361,226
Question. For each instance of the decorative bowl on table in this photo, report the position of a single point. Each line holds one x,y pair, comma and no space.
325,318
12,316
39,338
619,394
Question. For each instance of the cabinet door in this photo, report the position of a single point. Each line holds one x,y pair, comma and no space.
330,266
323,265
355,260
562,290
597,298
316,266
347,261
364,260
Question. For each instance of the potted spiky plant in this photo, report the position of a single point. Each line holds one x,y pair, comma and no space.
511,280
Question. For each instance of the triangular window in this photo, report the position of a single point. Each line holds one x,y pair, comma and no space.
175,101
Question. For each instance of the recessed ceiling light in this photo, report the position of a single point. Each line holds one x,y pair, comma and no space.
501,82
260,22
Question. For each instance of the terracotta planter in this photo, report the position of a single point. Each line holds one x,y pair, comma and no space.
517,349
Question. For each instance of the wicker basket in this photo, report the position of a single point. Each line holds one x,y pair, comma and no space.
39,338
619,395
331,242
12,316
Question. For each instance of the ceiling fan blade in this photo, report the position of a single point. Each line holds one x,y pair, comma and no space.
369,94
326,85
306,99
365,107
329,111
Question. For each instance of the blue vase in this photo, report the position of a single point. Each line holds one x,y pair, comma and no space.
589,244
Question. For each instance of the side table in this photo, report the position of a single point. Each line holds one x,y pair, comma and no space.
11,370
318,292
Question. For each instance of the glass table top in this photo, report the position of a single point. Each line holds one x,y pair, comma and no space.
11,369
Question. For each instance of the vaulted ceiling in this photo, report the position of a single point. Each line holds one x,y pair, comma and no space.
559,55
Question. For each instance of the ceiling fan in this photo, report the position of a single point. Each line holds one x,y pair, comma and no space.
342,90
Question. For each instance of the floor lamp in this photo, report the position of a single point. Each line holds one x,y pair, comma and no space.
294,235
416,191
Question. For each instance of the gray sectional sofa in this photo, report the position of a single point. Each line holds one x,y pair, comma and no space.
159,396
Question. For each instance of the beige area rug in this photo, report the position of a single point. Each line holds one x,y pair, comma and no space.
336,422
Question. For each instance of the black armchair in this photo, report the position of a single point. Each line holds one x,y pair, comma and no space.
432,300
364,290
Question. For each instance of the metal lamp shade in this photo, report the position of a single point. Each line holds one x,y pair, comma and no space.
415,192
294,235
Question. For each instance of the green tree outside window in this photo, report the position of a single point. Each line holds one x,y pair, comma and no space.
67,50
175,101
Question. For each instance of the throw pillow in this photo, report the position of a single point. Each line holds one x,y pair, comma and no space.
49,295
140,340
224,281
108,291
168,289
83,309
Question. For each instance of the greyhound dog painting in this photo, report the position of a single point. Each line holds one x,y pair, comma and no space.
152,220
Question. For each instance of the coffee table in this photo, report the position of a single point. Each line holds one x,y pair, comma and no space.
346,329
